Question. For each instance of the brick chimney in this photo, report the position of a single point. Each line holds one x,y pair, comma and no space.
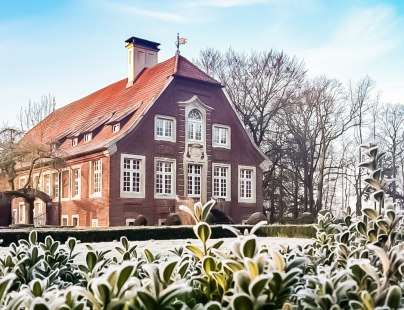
141,54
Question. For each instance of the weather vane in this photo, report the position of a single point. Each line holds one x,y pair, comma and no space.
179,42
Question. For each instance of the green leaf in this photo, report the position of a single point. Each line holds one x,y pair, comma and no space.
104,294
125,242
120,250
371,213
147,300
378,195
149,256
194,249
249,247
71,243
393,298
217,244
5,283
233,265
36,288
91,260
374,183
168,271
203,231
209,264
40,305
206,209
220,279
382,256
278,260
258,284
242,302
125,273
251,267
33,237
391,215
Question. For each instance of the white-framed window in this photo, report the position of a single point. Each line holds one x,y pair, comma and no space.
21,181
164,128
94,223
195,126
164,178
75,220
75,141
39,214
221,136
88,137
37,182
96,168
55,184
132,176
194,177
47,184
21,212
246,188
76,182
65,185
65,220
221,181
116,127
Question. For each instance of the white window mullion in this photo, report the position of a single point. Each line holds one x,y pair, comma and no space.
164,178
247,184
132,176
221,181
194,180
164,128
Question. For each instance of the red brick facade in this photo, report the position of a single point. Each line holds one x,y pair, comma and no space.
93,197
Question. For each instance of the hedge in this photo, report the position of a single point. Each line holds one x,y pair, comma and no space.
149,233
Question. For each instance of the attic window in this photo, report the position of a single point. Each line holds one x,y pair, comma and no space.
116,127
88,137
75,141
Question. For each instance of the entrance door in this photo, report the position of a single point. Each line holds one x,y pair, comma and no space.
194,180
21,212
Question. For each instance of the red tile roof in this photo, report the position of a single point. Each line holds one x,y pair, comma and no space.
98,108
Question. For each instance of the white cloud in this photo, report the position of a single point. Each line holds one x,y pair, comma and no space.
361,38
132,10
227,3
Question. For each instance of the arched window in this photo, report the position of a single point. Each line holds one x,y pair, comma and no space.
194,125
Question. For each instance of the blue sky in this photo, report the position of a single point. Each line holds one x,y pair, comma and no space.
71,48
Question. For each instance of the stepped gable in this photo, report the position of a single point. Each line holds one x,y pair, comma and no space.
100,109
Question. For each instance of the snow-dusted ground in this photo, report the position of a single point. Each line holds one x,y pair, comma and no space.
162,247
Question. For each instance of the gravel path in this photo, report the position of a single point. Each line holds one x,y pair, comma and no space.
162,247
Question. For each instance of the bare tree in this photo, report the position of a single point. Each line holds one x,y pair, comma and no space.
259,84
35,112
391,130
18,154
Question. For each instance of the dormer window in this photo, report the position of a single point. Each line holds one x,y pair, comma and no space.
75,141
116,127
195,125
88,137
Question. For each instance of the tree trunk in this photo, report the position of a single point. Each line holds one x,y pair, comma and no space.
30,210
295,196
